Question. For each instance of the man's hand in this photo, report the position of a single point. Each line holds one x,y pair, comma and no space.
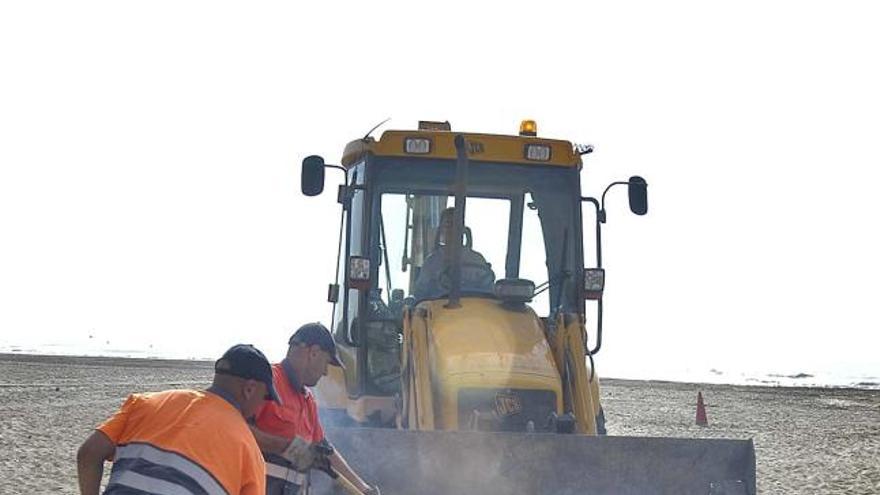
300,454
322,451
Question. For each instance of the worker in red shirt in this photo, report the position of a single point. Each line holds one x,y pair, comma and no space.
289,432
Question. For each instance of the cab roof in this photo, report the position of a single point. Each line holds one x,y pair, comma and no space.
481,147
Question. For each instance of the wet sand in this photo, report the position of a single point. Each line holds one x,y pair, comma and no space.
807,440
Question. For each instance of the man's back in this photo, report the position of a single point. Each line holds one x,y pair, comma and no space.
182,441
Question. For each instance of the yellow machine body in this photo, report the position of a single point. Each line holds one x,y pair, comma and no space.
482,392
485,346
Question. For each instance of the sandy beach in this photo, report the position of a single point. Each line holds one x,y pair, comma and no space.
808,440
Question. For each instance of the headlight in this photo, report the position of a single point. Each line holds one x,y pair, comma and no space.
537,152
419,146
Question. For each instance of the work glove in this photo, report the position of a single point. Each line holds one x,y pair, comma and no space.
372,490
300,454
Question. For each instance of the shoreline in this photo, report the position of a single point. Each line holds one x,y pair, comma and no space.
160,362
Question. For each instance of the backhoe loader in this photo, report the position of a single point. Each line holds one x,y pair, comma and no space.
460,313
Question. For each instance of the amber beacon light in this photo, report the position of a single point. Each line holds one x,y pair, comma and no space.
528,128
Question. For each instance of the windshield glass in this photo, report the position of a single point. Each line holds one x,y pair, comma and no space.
415,244
518,220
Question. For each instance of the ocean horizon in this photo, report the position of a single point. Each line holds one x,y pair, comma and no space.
834,378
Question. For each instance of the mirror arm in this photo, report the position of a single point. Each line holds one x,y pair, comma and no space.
595,350
602,207
600,219
336,278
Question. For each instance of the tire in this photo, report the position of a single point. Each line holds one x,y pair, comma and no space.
600,422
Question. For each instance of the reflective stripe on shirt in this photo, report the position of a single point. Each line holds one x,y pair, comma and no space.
129,479
142,466
285,473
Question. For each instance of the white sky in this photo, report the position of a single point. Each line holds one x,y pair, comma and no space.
150,156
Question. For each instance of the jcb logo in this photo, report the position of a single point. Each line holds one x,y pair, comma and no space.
475,147
507,404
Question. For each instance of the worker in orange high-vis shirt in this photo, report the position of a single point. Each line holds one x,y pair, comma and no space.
289,433
185,441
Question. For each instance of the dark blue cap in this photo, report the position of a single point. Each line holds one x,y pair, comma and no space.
317,334
246,361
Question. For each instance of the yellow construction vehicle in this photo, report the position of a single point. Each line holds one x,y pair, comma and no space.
460,313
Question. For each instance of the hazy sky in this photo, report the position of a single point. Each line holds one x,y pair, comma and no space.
150,156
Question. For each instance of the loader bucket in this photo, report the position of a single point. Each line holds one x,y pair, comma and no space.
463,462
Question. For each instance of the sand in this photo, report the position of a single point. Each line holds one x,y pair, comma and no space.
808,440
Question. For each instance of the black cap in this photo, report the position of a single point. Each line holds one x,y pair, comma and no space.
246,361
317,334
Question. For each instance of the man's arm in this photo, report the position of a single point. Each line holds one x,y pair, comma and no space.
269,443
298,452
90,461
339,464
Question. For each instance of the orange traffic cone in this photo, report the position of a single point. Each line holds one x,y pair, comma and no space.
701,411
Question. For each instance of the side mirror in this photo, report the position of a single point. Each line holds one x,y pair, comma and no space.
638,195
312,175
594,283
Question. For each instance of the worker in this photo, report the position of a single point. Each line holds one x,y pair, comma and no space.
433,281
289,433
185,441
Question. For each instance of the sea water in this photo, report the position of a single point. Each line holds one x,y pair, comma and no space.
819,374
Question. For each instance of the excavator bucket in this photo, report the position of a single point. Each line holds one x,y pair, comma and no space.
466,462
